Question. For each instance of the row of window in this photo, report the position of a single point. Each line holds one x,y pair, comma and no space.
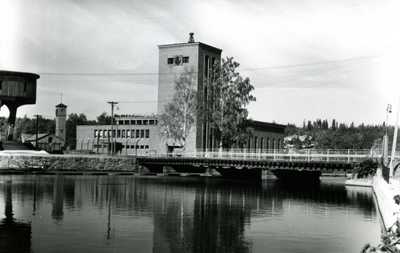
25,86
123,133
137,146
123,146
178,60
261,143
139,122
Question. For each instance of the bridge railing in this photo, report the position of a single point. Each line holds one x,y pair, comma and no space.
326,155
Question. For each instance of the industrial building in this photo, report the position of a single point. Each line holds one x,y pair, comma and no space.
141,134
138,135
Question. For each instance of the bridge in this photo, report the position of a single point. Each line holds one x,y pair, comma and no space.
238,164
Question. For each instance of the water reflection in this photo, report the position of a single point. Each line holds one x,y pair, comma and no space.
182,215
15,236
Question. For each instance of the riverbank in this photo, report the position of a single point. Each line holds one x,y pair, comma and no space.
24,163
387,199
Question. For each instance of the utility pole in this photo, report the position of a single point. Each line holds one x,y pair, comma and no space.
37,129
394,142
112,103
386,137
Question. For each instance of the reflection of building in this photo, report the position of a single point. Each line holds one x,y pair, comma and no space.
203,221
136,134
15,236
16,89
58,198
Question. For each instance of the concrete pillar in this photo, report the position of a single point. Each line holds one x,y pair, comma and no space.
11,120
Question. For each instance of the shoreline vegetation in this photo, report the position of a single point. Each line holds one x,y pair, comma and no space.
322,134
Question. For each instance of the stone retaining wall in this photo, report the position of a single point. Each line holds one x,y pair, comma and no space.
72,163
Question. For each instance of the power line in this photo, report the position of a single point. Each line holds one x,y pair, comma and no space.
101,74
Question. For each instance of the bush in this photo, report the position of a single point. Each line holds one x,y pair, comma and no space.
366,168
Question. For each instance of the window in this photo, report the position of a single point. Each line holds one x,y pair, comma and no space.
141,146
128,133
109,133
118,133
138,122
95,133
137,133
120,122
132,133
100,133
170,61
133,122
146,146
147,133
123,134
185,59
255,143
113,133
141,133
137,146
105,133
126,122
151,122
206,63
145,122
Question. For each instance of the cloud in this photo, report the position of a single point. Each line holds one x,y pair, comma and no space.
276,42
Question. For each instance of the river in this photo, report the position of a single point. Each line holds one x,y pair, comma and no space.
76,214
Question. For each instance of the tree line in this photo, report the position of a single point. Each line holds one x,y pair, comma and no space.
332,134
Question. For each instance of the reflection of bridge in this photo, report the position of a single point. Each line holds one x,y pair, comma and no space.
243,165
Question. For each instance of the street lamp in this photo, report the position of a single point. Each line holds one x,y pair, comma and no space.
388,111
112,103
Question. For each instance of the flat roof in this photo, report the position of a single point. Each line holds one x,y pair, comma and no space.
266,126
19,74
190,44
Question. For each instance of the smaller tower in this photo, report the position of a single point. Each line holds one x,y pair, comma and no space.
61,117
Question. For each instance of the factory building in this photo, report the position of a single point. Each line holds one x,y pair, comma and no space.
135,135
141,134
200,58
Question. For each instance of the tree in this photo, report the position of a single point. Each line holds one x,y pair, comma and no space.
73,120
104,119
228,95
179,115
27,125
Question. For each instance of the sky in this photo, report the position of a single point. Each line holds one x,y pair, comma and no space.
307,59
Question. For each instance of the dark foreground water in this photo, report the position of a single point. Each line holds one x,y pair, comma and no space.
128,214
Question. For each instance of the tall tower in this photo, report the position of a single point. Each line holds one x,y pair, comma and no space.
61,117
173,60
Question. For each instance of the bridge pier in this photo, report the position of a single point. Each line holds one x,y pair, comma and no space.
297,176
243,174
